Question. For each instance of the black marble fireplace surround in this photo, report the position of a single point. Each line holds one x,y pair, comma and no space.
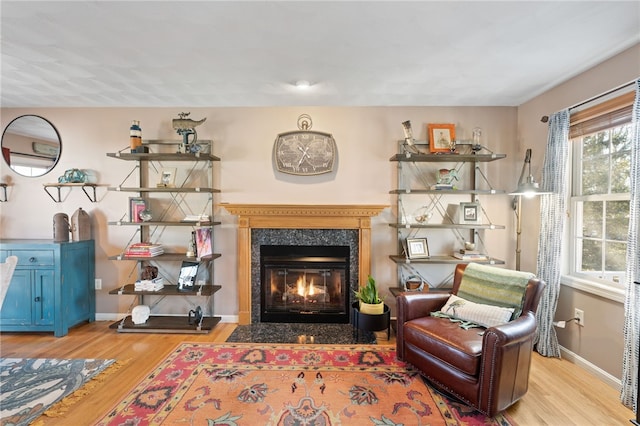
302,237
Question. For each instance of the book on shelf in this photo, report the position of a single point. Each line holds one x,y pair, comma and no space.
144,250
470,252
197,218
442,186
475,256
204,245
155,284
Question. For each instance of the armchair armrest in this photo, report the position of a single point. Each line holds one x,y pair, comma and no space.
513,332
416,305
506,361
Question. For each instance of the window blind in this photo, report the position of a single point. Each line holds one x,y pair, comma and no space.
610,113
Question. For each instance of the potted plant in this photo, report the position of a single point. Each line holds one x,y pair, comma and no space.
370,301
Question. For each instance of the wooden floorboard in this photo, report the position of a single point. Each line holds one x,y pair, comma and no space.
560,393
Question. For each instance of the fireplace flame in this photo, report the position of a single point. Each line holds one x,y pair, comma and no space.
303,289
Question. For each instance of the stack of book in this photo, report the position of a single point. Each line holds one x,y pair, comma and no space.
471,255
155,284
144,250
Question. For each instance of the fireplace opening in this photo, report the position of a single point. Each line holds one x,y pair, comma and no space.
304,284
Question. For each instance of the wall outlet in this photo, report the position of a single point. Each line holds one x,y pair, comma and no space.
98,284
578,314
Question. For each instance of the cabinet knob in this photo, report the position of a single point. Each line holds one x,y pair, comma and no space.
32,259
37,299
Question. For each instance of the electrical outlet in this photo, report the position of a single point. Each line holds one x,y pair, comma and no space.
98,284
578,314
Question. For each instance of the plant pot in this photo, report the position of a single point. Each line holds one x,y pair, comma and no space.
371,309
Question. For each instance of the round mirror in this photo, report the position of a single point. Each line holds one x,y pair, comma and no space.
31,145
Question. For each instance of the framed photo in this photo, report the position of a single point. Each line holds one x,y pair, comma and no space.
441,137
417,248
167,177
187,278
136,206
469,213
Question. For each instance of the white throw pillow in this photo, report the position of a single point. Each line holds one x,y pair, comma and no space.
485,315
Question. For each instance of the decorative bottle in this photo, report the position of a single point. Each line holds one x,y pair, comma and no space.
135,135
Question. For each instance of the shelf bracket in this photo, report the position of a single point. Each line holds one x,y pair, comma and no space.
92,197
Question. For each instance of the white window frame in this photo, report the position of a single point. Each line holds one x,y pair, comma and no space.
573,278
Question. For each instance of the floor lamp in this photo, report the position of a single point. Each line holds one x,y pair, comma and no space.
528,188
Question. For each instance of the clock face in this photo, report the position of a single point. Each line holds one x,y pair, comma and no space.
304,152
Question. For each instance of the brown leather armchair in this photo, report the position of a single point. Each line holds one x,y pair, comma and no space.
488,371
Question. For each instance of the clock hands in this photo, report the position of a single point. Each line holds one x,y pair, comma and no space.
304,154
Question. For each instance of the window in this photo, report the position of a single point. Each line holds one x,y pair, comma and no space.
600,194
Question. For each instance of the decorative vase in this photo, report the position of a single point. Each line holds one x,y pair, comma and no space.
372,309
61,228
80,226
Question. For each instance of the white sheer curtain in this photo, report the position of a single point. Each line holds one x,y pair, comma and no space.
552,218
628,394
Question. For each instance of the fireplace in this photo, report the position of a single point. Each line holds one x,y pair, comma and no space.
261,224
304,283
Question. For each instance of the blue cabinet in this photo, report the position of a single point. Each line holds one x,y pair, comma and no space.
52,287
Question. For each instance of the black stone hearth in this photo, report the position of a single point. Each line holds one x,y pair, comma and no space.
303,333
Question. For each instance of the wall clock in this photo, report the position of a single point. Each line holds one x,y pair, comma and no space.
304,152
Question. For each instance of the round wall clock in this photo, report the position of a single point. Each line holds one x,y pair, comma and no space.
304,152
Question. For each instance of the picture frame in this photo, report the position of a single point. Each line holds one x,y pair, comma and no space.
136,206
417,248
441,137
469,213
188,273
167,177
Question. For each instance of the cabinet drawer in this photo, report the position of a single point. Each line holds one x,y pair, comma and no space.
34,257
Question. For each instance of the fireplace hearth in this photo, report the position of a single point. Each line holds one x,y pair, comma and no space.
304,283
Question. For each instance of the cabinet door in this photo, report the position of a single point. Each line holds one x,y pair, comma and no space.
44,297
17,308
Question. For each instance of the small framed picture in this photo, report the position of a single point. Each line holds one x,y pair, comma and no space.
167,177
469,213
417,248
136,206
442,137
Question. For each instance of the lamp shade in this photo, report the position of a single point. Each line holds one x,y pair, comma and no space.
527,185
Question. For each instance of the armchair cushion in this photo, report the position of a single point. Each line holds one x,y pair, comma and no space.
494,286
477,313
454,346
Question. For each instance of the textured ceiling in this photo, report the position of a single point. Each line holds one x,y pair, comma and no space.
358,53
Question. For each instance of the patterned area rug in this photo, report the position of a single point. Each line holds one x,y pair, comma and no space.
260,384
31,386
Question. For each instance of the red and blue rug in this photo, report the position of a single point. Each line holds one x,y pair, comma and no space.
262,384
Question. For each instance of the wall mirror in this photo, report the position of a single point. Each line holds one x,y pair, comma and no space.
31,145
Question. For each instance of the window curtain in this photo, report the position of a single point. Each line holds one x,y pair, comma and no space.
628,394
552,218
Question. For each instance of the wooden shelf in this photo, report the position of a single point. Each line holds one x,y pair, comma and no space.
448,191
442,158
167,290
445,226
153,156
165,324
164,189
167,257
176,223
444,260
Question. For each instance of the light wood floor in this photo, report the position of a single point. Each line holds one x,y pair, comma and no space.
560,393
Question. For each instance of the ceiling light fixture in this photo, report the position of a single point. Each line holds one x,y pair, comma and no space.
303,84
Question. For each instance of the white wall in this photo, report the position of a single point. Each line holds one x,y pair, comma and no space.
366,138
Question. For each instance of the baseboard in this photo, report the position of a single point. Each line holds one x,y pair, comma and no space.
573,358
117,317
